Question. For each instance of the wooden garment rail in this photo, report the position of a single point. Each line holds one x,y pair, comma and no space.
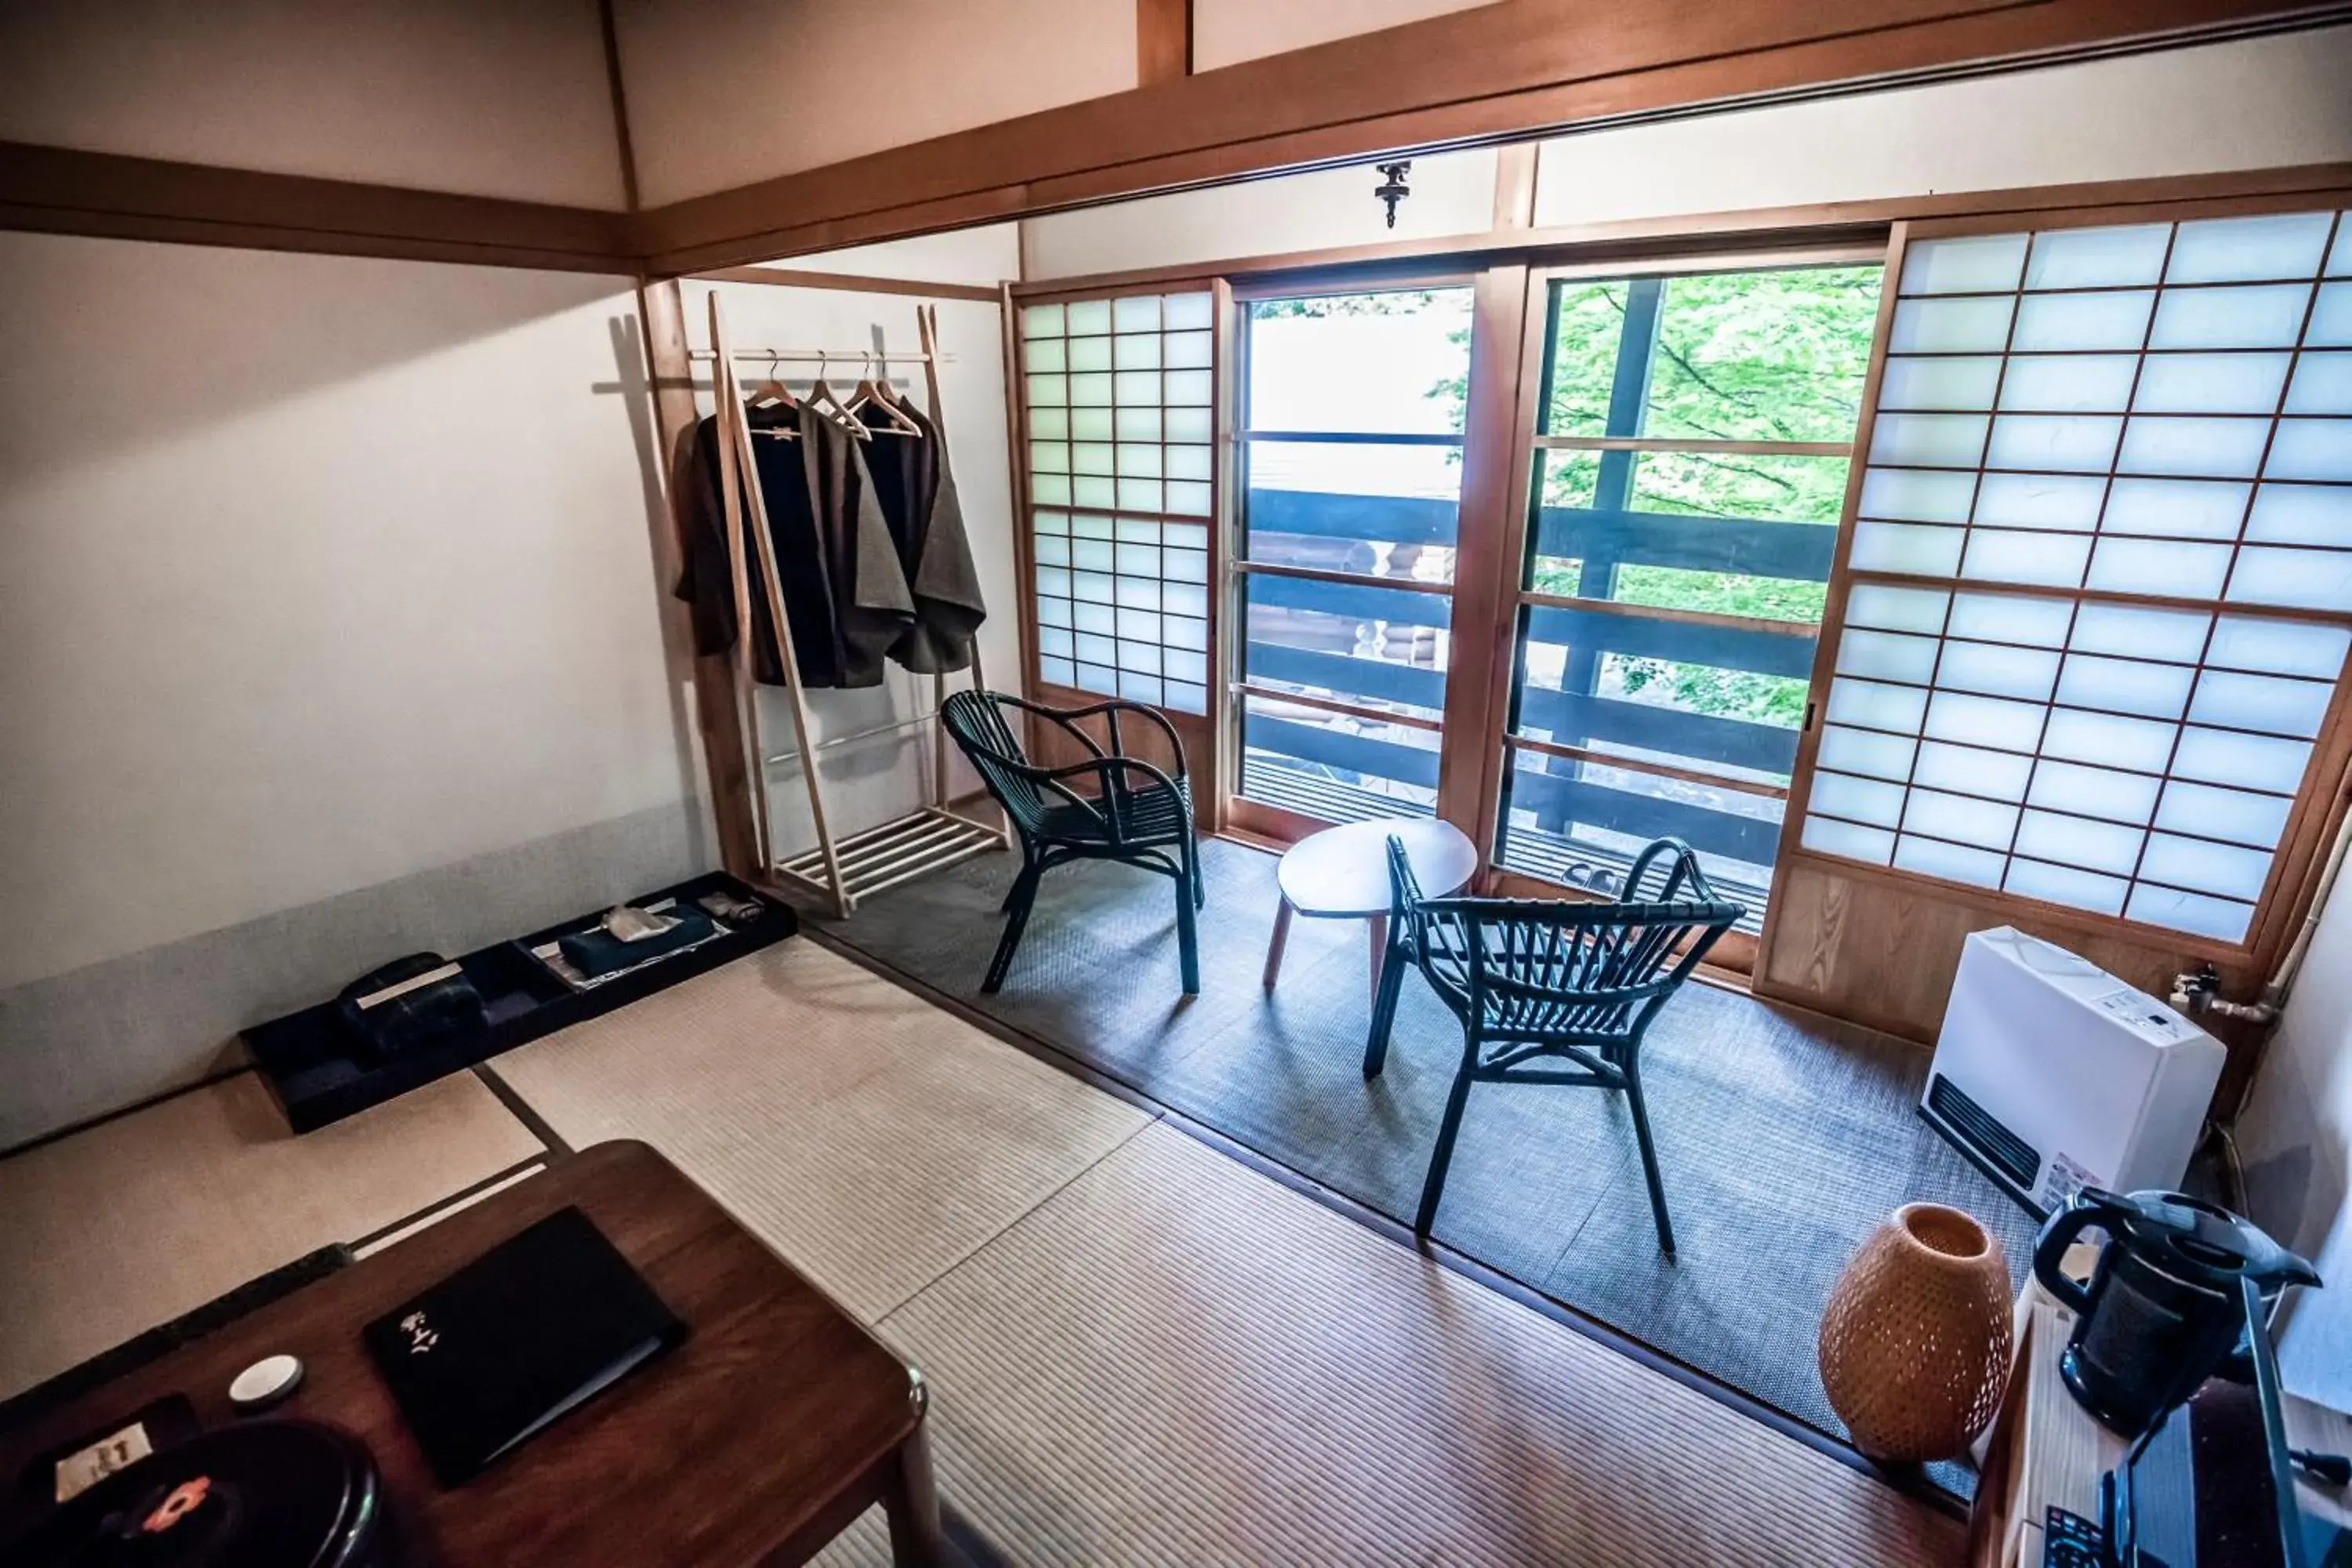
839,870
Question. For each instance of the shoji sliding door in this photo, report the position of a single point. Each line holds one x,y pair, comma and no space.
1119,408
2089,665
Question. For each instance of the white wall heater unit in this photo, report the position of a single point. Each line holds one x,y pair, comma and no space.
2053,1075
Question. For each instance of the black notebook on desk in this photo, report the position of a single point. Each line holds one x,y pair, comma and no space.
535,1326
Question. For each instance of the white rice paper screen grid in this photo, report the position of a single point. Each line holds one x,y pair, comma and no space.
1120,395
2160,410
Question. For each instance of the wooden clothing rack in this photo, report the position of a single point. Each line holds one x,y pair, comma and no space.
838,871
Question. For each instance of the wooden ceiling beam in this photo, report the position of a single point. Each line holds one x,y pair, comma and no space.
60,190
1485,75
1499,73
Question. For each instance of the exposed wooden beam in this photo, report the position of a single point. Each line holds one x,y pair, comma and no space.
624,145
59,190
1163,40
855,283
1515,184
1493,73
718,716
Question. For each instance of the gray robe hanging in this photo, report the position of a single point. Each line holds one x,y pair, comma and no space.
944,582
872,606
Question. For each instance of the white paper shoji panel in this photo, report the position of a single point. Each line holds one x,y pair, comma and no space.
1120,398
2157,409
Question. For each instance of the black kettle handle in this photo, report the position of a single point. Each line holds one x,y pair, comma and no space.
2088,1207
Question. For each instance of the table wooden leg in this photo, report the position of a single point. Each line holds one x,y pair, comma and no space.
1273,948
912,1502
1379,929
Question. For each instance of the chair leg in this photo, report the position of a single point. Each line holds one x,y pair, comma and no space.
1649,1160
1199,881
1016,903
1186,916
1188,931
1384,1006
1433,1186
1013,891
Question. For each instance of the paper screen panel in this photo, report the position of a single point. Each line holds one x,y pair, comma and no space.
1119,394
2153,410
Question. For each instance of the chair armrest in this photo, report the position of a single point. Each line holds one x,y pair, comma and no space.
1108,769
1686,878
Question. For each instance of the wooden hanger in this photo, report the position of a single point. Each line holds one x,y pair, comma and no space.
821,399
772,393
874,394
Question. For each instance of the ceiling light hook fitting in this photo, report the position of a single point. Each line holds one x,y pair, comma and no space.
1393,189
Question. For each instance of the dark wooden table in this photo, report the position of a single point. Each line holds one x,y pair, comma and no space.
777,1421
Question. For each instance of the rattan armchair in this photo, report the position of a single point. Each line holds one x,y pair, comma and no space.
1550,993
1136,812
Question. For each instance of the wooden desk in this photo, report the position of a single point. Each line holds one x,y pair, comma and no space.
2045,1449
777,1421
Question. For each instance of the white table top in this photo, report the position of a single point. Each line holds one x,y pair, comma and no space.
1342,873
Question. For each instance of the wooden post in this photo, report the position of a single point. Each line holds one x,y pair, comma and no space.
718,710
732,415
1491,537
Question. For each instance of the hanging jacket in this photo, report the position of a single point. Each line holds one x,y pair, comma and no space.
789,485
872,607
936,553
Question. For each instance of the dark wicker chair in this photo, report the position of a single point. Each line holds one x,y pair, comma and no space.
1536,982
1135,813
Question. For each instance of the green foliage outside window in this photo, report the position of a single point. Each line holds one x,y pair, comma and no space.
1740,356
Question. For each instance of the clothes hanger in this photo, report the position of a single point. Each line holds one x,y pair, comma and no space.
819,395
772,393
874,392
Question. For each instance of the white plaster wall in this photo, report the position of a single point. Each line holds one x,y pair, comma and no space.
1453,194
869,782
318,575
314,572
988,254
722,93
2252,104
511,99
1225,32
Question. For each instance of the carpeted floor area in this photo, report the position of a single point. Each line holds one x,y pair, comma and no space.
1784,1138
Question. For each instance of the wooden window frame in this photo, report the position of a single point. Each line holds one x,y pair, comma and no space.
1866,944
1261,818
2141,952
1736,948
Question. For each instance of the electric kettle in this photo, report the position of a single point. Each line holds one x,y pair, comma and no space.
2162,1311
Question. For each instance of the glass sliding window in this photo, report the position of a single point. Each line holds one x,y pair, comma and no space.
1119,398
2102,566
1692,442
1351,459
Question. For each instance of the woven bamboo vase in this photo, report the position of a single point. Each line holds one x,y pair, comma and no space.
1914,1339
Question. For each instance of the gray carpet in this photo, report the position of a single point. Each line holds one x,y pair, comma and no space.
1784,1138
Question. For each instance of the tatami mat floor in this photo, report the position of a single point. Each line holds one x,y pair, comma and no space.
126,1224
1142,1350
